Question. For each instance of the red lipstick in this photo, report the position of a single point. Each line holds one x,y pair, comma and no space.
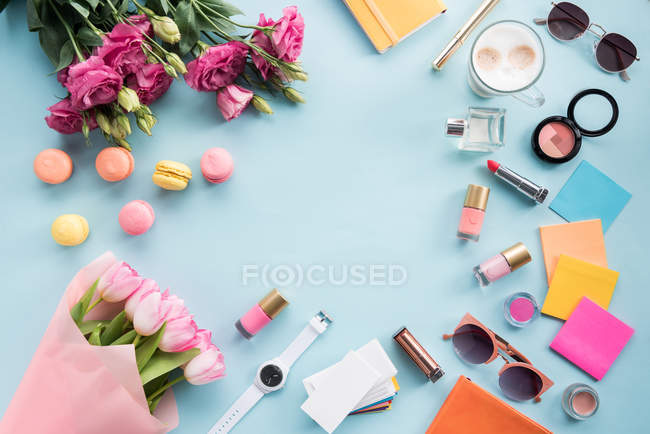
524,185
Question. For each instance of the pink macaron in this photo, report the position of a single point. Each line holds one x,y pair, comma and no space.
114,164
53,166
217,165
136,217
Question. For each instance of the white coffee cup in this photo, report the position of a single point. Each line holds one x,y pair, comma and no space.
507,58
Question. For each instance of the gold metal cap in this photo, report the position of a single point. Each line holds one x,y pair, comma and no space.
477,196
517,256
273,303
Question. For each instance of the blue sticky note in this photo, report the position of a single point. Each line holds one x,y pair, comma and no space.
590,194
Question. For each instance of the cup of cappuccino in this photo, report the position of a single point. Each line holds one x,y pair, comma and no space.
507,58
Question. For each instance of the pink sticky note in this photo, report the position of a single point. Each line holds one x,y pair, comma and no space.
592,338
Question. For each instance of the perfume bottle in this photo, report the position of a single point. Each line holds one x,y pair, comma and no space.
482,131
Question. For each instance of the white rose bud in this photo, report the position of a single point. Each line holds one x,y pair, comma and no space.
166,29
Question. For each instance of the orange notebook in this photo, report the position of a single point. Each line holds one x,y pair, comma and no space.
469,409
387,22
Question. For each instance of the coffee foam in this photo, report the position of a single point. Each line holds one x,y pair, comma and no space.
507,57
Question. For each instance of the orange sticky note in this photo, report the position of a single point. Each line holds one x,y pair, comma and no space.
574,279
581,240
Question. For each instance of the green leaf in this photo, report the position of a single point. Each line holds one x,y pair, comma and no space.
83,10
144,352
33,18
222,7
161,7
93,3
3,4
88,326
65,56
162,363
155,384
78,311
89,38
185,18
95,336
126,338
114,329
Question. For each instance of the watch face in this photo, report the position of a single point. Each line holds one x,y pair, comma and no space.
271,375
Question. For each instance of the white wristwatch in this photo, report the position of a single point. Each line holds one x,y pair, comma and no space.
271,375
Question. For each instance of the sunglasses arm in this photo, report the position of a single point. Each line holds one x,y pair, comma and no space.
510,350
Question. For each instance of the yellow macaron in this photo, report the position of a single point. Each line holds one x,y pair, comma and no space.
171,175
70,229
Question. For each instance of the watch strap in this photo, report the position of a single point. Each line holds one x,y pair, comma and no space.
316,326
244,403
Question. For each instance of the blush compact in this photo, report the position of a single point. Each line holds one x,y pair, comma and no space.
557,139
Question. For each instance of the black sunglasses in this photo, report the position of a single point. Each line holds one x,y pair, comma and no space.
614,52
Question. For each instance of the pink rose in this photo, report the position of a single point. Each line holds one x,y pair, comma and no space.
150,82
142,23
232,100
150,313
92,83
217,67
134,299
66,119
206,367
118,282
122,49
180,335
285,42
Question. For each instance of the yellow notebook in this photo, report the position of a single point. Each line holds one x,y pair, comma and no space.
387,22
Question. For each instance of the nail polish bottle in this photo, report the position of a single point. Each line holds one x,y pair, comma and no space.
481,131
261,314
502,264
471,219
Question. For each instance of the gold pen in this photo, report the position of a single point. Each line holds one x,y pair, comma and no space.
461,35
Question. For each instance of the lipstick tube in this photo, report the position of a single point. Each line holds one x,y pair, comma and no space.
261,314
418,354
524,185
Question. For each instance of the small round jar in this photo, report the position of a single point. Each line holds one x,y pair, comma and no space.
557,139
520,309
580,401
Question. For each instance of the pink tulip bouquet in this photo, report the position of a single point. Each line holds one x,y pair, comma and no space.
116,57
109,357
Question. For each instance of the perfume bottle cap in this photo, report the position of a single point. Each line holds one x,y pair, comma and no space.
476,196
273,303
456,127
517,256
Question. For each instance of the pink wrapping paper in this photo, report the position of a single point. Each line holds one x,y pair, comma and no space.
74,387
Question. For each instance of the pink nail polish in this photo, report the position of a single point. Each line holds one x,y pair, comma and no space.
261,314
502,264
471,219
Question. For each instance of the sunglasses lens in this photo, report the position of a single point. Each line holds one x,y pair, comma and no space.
520,383
472,344
615,52
567,21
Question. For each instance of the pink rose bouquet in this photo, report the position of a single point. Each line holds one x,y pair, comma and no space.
95,372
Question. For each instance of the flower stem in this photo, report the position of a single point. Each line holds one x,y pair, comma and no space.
225,18
68,31
165,387
92,306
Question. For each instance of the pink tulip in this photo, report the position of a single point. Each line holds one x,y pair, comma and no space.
118,282
204,339
177,307
150,313
134,299
206,367
180,335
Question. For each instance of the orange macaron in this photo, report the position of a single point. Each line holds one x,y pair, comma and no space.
114,164
53,166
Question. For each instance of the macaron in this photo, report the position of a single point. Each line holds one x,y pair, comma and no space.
136,217
70,229
53,166
216,165
114,164
171,175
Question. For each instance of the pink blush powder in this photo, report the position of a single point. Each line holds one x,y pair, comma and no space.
584,403
522,309
556,140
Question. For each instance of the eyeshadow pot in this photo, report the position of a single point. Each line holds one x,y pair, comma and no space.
520,309
580,401
557,139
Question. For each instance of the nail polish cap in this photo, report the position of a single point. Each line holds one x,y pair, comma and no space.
477,196
273,303
517,256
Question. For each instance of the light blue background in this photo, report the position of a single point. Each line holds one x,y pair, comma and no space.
360,175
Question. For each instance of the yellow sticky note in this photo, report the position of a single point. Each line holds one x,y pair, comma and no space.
581,240
574,279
